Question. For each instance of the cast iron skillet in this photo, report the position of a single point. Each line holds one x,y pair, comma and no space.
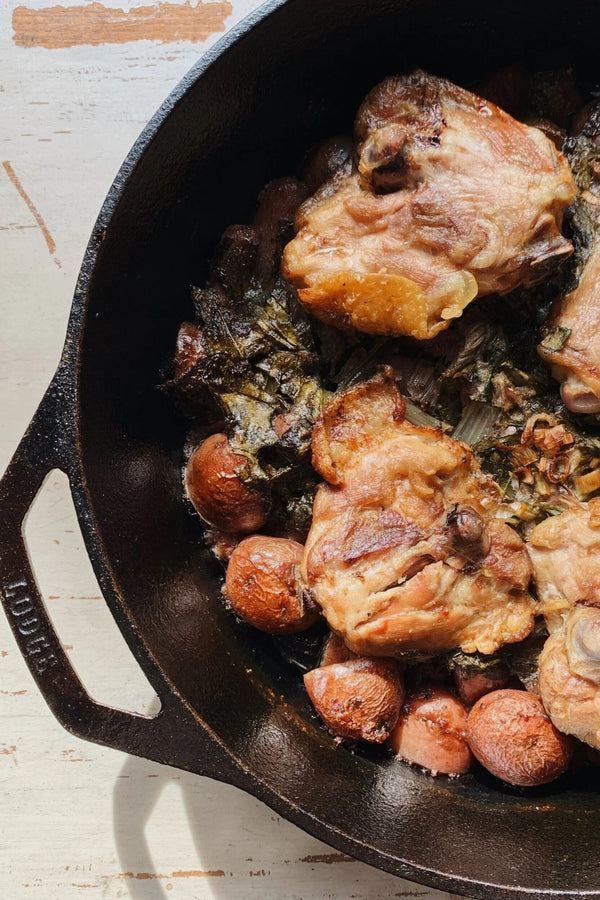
231,707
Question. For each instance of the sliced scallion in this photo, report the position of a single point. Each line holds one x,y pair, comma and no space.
416,416
476,423
556,339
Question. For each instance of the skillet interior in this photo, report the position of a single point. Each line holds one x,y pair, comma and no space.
295,77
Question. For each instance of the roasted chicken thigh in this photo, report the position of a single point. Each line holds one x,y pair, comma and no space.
450,198
406,551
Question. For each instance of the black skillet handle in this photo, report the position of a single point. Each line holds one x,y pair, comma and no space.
174,736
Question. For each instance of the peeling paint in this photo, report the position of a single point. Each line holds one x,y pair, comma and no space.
67,755
9,751
327,858
94,23
412,894
192,873
30,205
197,873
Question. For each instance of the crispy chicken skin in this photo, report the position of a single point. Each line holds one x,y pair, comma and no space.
569,675
451,199
565,554
577,363
405,552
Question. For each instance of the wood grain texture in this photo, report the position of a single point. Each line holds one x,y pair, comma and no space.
83,821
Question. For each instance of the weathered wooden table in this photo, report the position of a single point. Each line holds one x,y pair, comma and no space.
77,84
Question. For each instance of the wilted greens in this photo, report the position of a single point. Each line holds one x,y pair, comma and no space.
258,373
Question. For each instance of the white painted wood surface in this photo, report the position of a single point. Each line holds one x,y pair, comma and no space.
82,821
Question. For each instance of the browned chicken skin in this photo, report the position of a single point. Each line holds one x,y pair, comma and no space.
565,553
569,675
452,199
405,551
577,363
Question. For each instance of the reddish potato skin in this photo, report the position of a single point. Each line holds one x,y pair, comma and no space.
431,732
261,585
358,699
216,490
511,735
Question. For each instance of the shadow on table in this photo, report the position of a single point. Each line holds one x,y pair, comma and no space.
221,825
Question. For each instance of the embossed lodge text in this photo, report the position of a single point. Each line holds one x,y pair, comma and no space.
29,625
